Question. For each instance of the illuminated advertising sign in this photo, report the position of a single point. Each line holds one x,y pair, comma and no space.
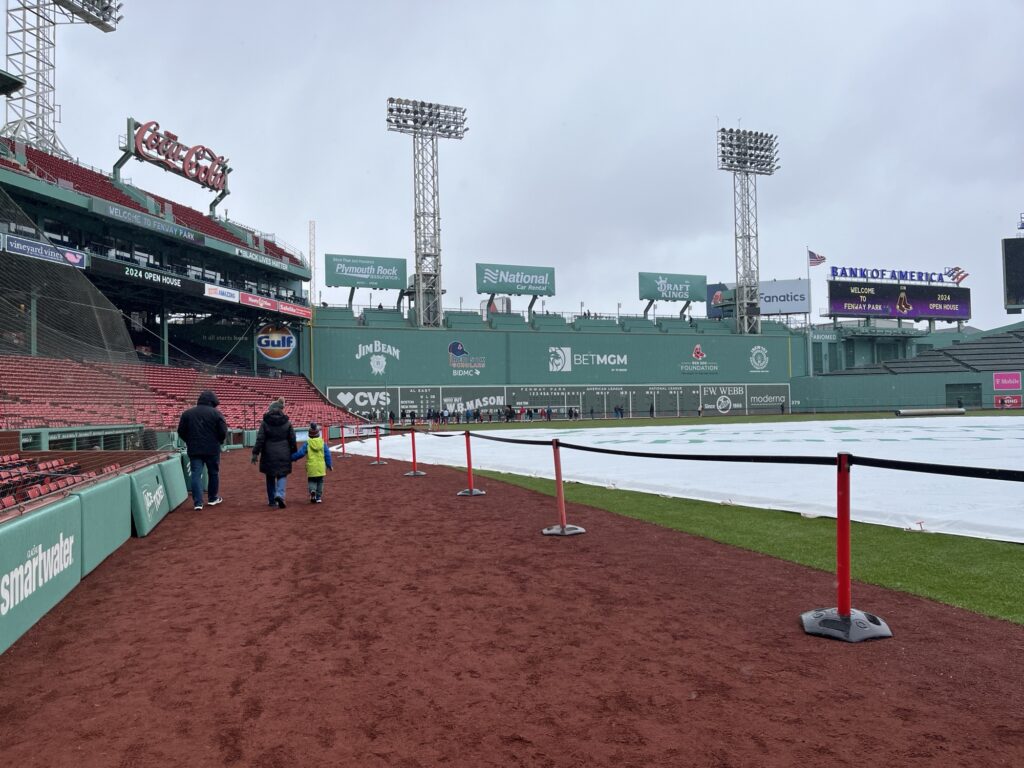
275,342
515,280
895,301
197,163
661,286
364,272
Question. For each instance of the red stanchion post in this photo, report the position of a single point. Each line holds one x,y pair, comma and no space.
563,528
843,587
344,455
470,491
415,472
379,460
844,622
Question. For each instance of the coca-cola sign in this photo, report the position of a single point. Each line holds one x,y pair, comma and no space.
198,163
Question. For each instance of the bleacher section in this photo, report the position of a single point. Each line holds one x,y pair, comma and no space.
22,479
34,393
639,325
384,318
70,175
995,352
471,321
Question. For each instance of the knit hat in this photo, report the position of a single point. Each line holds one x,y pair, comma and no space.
314,429
277,405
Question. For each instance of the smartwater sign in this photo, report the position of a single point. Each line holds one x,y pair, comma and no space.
661,286
516,280
364,272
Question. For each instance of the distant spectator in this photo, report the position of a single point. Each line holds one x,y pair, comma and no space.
275,444
204,430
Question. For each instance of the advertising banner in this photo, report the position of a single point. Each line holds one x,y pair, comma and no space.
133,273
222,293
515,280
40,562
297,310
364,272
252,300
34,249
893,300
777,297
1006,380
661,286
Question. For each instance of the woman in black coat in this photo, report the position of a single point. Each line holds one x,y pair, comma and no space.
275,444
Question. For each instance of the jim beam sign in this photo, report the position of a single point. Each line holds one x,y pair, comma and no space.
197,162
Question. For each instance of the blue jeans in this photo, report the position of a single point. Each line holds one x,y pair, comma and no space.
212,464
276,487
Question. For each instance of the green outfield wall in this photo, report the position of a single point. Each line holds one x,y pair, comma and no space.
365,368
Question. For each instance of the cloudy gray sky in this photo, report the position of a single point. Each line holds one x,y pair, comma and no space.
592,130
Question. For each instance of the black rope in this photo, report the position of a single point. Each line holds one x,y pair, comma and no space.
985,473
817,460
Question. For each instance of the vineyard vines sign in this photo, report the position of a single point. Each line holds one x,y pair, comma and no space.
197,163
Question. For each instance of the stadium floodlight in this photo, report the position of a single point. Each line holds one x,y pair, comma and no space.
426,123
31,41
747,155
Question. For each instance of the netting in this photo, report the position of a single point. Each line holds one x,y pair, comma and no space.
63,345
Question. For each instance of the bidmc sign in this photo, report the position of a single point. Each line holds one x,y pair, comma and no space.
275,342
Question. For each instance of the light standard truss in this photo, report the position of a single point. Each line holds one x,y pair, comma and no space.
32,113
426,123
747,154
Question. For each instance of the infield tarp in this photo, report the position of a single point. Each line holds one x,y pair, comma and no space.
40,563
986,509
106,519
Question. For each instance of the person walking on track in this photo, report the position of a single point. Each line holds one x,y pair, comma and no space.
275,444
204,430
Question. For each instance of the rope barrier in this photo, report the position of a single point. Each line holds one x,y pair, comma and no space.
984,473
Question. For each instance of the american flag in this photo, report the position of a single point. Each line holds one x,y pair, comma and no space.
815,259
956,274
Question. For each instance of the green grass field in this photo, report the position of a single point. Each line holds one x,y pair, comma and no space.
986,577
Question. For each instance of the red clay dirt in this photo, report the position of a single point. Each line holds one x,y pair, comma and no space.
399,625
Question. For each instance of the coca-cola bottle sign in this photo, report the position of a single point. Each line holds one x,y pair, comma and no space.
198,163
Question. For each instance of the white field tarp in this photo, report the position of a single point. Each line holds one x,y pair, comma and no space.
988,509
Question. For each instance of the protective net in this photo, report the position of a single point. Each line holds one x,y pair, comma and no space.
63,346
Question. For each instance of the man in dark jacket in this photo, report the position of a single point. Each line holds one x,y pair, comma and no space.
204,430
275,444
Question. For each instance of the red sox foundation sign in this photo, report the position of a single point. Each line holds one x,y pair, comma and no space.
198,163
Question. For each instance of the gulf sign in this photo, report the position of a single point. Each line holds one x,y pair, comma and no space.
275,342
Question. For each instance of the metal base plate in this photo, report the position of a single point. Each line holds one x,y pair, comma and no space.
471,492
568,530
415,473
377,463
858,626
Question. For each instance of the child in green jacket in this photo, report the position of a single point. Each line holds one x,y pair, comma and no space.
318,461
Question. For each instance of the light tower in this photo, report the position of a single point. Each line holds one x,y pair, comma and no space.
426,123
31,39
748,154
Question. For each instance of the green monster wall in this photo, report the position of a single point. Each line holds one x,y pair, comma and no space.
367,368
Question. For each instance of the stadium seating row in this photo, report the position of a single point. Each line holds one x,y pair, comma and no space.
46,392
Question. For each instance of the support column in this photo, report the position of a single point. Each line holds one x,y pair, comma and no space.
165,334
33,323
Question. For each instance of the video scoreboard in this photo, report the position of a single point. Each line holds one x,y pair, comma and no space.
898,301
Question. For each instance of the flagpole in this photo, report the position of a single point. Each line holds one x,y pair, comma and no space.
810,309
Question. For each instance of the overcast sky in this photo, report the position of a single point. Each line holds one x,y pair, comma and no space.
592,131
